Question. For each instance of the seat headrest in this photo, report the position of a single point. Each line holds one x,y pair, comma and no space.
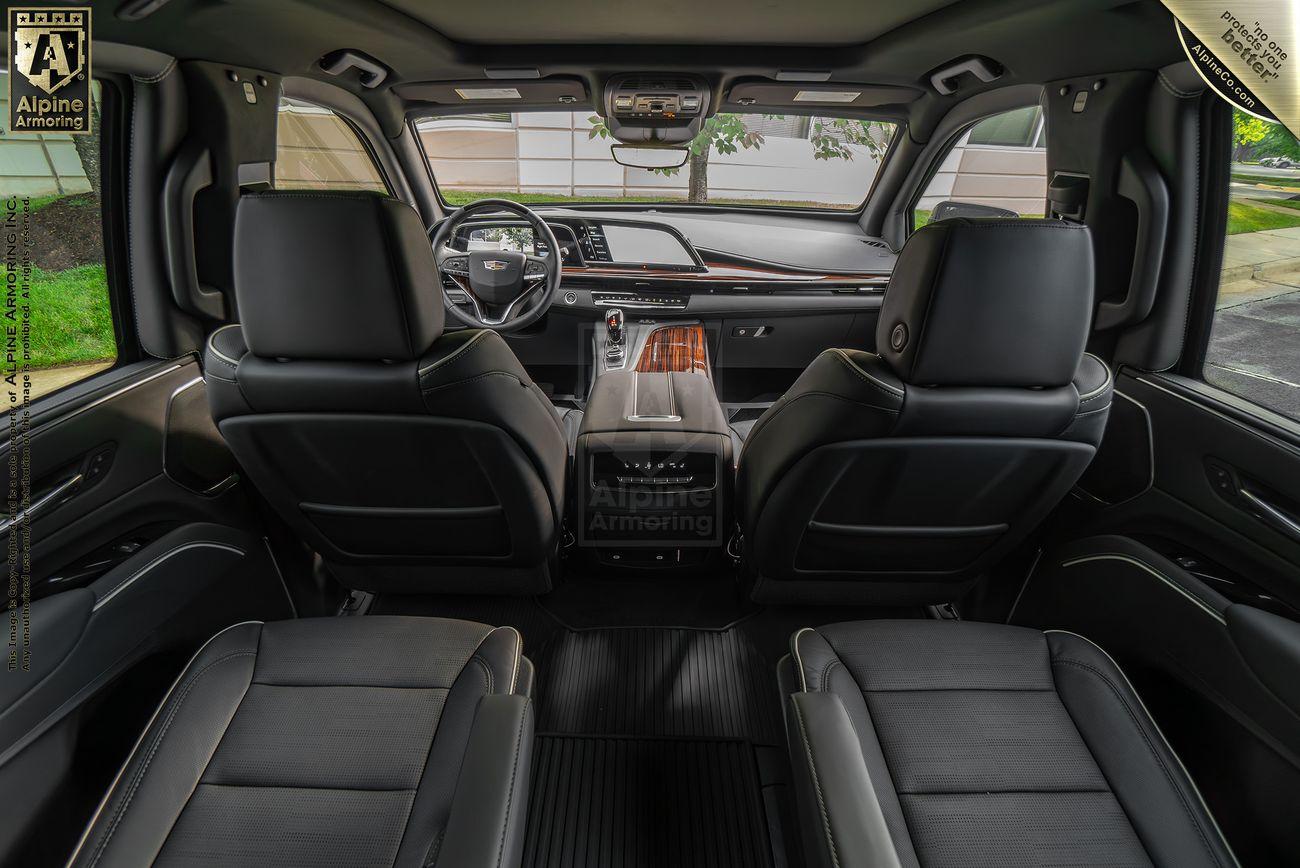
324,275
989,302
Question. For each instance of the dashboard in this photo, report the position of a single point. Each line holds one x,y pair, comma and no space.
771,290
695,263
586,242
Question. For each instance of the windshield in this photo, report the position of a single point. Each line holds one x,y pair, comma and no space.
737,159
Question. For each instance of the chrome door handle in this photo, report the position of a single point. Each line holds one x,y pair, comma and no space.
44,501
1274,517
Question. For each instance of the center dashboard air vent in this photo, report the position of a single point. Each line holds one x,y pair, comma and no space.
639,300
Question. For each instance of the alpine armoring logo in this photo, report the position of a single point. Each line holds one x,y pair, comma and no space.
1239,40
49,70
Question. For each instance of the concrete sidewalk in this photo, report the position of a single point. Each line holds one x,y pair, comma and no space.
1261,255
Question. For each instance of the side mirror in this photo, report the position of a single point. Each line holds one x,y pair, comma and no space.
948,208
649,158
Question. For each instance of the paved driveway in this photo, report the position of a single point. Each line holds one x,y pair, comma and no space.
1264,171
1254,346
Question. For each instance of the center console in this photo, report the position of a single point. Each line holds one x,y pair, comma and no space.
653,462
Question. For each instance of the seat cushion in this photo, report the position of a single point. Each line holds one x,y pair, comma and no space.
329,742
956,743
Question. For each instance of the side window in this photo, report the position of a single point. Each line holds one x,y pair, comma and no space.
50,194
1000,164
1253,351
318,150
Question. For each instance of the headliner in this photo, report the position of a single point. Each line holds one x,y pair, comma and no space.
884,42
683,22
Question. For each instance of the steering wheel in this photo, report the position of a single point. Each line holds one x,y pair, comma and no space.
507,290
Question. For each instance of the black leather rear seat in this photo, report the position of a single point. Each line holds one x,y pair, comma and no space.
369,741
964,744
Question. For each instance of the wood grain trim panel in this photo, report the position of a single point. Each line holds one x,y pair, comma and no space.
675,348
723,274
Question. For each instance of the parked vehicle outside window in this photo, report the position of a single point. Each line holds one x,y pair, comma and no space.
1000,163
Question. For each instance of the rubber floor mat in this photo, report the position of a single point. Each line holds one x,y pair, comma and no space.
608,802
647,750
653,681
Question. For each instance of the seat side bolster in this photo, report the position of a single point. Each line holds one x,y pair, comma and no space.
486,827
1150,783
1095,385
222,353
149,793
500,655
843,825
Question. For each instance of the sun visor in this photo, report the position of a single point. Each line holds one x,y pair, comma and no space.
501,94
809,95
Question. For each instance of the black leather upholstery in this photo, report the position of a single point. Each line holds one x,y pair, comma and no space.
898,477
334,276
988,303
958,743
343,741
409,459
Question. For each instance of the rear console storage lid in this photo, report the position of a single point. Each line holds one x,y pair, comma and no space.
633,401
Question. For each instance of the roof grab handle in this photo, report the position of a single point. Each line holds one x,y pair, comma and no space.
1142,184
945,80
338,62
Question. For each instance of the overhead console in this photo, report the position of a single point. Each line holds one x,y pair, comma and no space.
656,108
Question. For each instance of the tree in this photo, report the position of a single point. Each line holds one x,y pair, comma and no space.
726,133
831,137
1247,131
1278,142
88,148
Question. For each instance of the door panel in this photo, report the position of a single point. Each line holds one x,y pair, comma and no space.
1171,560
1196,448
133,566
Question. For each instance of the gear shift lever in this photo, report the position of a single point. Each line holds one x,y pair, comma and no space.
614,351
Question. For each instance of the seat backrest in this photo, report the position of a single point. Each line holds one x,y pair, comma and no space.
898,476
408,459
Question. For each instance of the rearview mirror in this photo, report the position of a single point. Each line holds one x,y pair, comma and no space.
649,158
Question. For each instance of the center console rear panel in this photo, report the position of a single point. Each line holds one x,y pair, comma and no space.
653,470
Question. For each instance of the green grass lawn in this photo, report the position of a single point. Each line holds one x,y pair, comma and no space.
72,321
1244,217
39,202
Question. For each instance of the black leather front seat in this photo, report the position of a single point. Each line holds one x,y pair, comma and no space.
943,743
408,458
897,477
365,741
